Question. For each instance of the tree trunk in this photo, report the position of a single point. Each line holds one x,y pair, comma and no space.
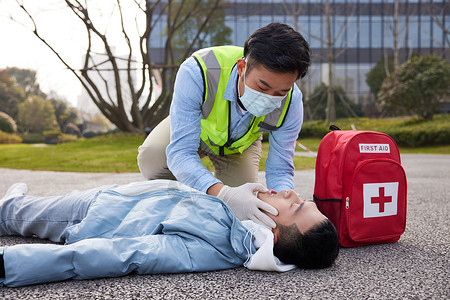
128,108
395,32
331,105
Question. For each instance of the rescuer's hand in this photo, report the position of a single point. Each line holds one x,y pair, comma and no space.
246,206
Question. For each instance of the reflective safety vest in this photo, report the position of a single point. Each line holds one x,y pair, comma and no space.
216,64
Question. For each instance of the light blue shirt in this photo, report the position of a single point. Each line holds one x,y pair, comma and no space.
185,116
147,227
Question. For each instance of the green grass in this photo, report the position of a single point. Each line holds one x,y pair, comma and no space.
109,153
117,154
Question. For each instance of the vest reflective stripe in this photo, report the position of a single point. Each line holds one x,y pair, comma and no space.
212,78
216,64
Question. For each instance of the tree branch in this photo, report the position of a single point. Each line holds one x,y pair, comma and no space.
194,40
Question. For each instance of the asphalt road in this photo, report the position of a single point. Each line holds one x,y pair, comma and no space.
415,267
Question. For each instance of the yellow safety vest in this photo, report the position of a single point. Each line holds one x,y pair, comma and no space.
216,64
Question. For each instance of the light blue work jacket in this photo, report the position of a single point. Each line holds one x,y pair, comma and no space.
151,232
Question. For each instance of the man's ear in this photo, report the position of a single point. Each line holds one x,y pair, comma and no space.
240,66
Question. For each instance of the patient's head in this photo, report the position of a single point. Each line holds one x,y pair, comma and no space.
303,236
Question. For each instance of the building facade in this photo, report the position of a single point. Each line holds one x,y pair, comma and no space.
362,33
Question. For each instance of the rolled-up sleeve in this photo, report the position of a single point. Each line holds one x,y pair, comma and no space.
185,115
279,163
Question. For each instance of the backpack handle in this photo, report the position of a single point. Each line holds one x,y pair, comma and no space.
334,127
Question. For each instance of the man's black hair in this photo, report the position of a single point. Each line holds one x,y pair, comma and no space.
280,48
315,249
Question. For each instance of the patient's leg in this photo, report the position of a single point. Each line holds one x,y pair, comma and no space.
45,217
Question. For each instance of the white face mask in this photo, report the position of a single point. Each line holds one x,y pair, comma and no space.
257,103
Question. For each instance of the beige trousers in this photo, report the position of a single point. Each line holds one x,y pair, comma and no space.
232,170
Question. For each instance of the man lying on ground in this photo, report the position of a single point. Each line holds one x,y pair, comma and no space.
153,227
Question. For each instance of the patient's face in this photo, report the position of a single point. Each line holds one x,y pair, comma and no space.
291,209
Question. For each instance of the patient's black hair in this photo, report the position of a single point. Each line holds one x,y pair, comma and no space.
315,249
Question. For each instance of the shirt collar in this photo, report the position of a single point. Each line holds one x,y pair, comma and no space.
230,91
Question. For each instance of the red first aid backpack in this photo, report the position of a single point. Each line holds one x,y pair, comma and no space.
360,186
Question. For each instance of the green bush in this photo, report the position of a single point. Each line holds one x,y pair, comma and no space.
66,138
52,136
317,129
421,135
48,137
376,76
419,86
7,124
9,138
91,134
406,131
52,133
32,138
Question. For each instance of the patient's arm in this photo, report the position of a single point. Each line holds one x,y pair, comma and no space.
94,258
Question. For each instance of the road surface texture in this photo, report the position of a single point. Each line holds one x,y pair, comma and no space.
415,267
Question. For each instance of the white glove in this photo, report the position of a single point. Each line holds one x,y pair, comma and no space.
246,206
